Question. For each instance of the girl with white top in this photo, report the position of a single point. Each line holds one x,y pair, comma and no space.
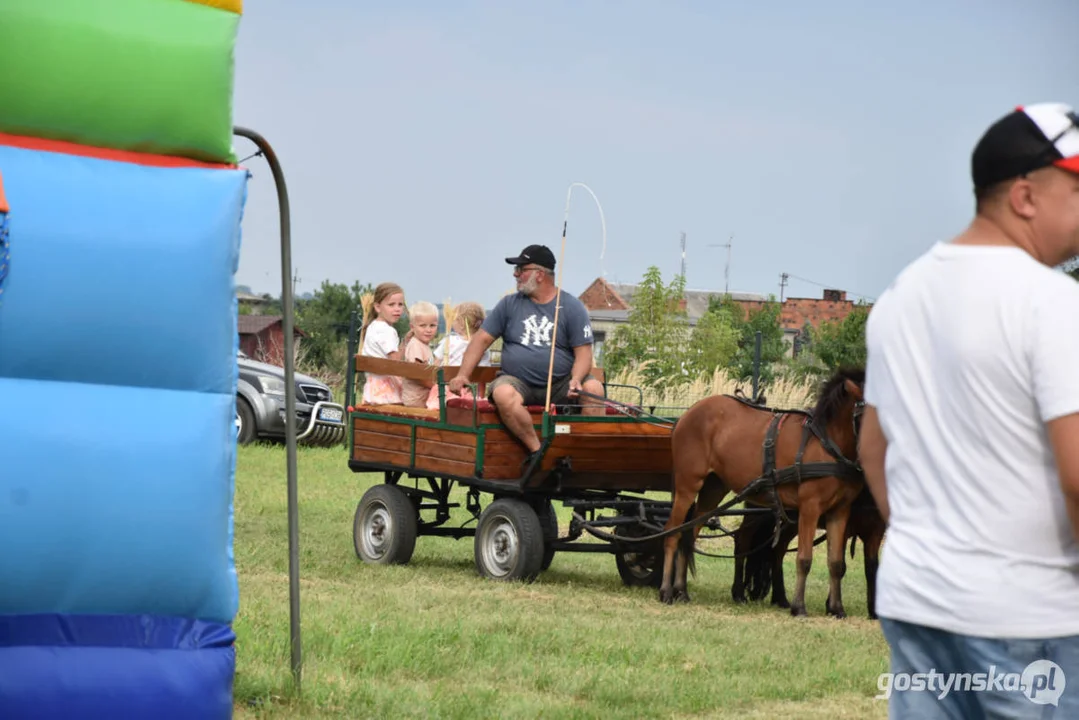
382,341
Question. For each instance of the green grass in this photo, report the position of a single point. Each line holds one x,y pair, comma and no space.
433,639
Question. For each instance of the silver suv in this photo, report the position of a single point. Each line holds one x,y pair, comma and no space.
260,406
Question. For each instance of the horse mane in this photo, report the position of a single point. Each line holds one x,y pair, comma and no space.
833,393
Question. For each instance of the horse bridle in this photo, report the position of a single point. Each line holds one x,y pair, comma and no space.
856,421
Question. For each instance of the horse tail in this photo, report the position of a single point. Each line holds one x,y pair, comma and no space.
687,544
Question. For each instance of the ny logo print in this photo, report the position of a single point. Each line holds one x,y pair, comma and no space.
537,333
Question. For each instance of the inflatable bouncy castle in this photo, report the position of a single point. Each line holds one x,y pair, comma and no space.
120,214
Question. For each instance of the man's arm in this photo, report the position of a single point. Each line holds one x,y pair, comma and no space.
1064,437
478,345
1054,345
582,363
872,446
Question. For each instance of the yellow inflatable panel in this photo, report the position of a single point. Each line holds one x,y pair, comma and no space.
236,6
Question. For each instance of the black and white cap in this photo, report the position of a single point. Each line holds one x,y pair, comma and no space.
1027,139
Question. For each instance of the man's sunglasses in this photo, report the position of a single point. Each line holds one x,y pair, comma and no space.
520,269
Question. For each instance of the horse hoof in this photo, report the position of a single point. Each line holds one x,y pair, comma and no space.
739,599
838,614
666,597
681,596
798,612
781,604
873,616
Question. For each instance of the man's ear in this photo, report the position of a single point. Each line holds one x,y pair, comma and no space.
1021,198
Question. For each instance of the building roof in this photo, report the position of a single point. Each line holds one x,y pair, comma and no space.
612,302
696,300
605,296
254,324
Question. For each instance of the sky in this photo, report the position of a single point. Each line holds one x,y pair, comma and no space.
423,142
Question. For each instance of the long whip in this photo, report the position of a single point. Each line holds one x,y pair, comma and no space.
561,265
557,303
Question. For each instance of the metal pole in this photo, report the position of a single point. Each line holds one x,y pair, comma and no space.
290,402
756,364
353,341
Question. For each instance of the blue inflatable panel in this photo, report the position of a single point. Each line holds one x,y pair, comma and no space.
125,272
116,500
139,666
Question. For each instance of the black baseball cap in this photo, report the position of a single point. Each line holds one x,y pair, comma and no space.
535,255
1027,139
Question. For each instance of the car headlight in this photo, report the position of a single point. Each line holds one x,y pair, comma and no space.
272,385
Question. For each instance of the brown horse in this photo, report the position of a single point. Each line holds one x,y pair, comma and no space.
718,446
758,567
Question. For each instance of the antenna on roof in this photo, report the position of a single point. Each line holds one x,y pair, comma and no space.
727,269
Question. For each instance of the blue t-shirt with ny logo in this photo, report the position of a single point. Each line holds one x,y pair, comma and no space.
525,327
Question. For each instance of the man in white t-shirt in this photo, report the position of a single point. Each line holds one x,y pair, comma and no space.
970,442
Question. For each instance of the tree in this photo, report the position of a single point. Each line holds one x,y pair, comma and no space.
764,319
714,343
325,320
656,334
842,343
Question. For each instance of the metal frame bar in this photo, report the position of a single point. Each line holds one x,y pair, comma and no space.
290,401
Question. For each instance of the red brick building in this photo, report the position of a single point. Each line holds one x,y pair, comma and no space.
262,337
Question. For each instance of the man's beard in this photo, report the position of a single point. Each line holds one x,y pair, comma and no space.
528,286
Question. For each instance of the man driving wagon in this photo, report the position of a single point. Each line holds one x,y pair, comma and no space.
525,322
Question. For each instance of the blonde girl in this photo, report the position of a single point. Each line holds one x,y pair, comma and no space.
381,340
423,317
470,316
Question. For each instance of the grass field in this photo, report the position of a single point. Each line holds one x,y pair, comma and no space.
433,639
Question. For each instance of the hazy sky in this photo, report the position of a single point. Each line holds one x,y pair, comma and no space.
423,142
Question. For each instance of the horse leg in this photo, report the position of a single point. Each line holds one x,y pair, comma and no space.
708,499
683,500
779,585
738,587
836,527
871,553
749,561
808,515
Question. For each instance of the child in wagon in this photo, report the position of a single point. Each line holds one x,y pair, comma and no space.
470,316
423,319
380,340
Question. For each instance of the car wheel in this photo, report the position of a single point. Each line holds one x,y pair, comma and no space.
245,422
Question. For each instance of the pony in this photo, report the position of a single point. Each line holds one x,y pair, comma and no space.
723,444
760,568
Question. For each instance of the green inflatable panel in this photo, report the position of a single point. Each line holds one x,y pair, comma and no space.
152,76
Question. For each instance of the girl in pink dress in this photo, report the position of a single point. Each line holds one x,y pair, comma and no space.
381,341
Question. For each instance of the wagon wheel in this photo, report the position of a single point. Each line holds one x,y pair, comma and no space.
509,541
384,529
643,565
549,523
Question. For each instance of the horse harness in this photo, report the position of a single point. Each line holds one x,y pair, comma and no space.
843,467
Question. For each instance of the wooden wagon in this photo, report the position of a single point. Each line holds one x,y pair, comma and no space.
592,464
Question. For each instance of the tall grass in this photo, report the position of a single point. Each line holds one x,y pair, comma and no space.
782,393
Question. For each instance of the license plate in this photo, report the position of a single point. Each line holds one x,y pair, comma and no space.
331,414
